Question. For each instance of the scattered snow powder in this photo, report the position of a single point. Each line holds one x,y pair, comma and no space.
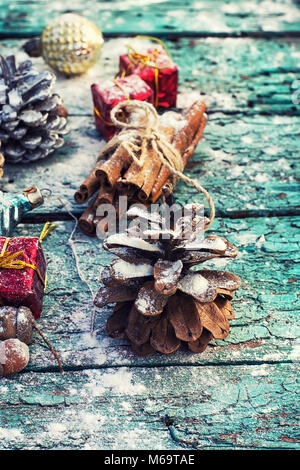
122,239
124,270
120,382
10,434
261,178
260,371
56,430
193,283
246,139
246,238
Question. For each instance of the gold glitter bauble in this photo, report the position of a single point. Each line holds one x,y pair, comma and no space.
71,44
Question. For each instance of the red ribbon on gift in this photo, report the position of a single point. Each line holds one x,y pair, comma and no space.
149,60
127,98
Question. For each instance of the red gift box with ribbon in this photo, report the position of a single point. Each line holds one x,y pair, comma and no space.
157,69
109,93
22,273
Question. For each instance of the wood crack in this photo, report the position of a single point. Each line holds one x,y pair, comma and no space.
154,365
65,217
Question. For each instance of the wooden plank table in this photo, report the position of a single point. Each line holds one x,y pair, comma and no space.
243,58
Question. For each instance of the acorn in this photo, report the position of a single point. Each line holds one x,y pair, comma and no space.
19,323
70,44
16,322
14,356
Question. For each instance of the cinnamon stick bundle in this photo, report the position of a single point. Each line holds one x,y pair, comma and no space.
119,175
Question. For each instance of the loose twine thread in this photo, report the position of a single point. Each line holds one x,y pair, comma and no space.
72,243
136,138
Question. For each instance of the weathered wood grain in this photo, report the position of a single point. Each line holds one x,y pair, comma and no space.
248,407
232,75
265,328
158,17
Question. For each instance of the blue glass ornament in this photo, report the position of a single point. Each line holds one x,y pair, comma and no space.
14,206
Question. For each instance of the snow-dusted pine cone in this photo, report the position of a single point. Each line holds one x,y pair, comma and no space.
32,118
160,302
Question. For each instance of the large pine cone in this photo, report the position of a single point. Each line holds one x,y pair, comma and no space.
160,302
32,120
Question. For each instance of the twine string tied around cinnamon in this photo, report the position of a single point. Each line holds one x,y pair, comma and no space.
136,138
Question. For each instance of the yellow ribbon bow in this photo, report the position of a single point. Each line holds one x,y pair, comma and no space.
10,260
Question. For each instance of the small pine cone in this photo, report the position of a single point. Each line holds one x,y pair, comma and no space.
160,302
32,123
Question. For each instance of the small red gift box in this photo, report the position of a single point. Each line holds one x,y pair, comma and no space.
157,69
111,92
24,285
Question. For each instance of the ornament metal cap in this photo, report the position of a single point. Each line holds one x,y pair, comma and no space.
34,196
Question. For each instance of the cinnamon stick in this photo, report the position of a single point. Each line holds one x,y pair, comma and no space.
119,175
86,221
101,223
89,220
132,180
1,164
113,168
124,188
151,170
169,185
105,196
182,140
110,171
88,188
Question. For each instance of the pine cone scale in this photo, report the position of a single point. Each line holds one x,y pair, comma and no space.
107,295
183,316
149,302
117,322
201,343
225,307
138,329
198,287
163,338
166,274
221,279
123,271
213,320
